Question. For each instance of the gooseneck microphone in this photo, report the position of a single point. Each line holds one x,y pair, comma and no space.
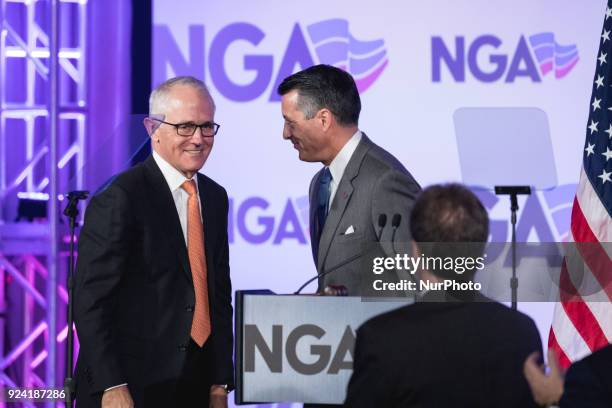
395,223
338,266
382,221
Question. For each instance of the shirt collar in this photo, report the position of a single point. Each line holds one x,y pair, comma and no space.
338,165
173,177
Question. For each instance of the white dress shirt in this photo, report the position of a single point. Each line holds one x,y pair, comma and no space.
175,179
338,165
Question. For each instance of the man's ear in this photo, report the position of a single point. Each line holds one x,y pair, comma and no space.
325,117
414,248
150,125
421,273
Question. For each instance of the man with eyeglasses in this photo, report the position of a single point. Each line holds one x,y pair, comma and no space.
153,293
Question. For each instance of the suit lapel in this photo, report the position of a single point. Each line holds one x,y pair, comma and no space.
314,232
341,200
163,202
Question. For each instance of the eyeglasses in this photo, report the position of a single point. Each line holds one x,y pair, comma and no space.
208,129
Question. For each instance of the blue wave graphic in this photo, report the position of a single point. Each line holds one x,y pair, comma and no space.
335,45
326,29
553,56
544,53
564,60
359,66
565,49
541,38
357,47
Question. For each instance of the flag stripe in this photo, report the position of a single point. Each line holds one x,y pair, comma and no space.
569,340
579,313
564,361
589,289
597,216
581,327
601,311
593,255
585,323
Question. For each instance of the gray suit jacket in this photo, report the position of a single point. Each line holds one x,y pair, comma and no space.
374,183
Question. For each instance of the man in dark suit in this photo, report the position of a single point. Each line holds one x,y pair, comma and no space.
359,182
153,293
587,384
453,348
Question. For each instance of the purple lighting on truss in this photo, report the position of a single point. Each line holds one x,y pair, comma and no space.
23,345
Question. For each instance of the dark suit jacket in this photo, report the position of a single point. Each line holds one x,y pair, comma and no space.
588,382
374,182
454,354
134,296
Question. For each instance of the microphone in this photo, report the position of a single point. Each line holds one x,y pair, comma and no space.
320,275
78,195
73,198
382,221
71,211
395,223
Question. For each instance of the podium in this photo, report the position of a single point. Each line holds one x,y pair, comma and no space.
298,348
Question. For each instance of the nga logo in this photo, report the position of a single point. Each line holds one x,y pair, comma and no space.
331,41
532,58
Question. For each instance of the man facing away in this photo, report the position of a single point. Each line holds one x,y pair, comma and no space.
451,349
153,294
359,182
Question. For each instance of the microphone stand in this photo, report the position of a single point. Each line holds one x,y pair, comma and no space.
513,191
395,223
382,222
72,212
330,270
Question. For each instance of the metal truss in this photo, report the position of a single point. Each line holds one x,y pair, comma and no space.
43,118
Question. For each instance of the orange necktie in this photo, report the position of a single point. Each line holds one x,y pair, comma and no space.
200,326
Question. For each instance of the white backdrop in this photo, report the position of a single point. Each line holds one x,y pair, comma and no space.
407,109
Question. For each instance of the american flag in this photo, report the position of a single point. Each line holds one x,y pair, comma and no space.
582,322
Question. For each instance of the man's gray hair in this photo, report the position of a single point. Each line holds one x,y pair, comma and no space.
308,105
158,100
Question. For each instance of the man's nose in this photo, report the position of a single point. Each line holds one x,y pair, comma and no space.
198,136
